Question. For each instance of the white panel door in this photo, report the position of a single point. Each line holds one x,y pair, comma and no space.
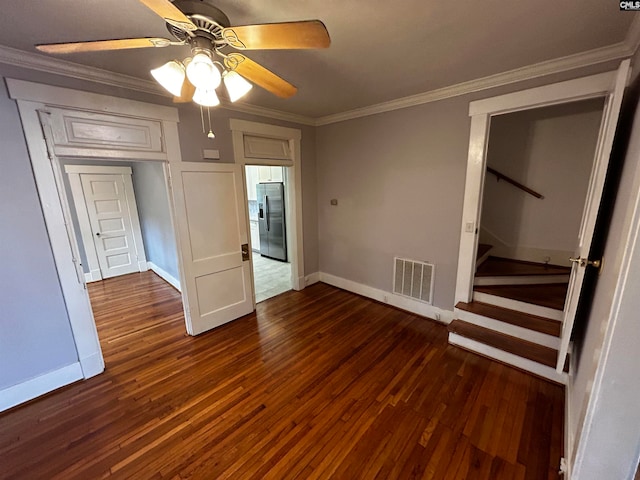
592,205
110,219
212,230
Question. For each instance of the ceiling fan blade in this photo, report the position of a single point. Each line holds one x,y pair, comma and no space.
289,35
186,95
100,45
259,75
170,13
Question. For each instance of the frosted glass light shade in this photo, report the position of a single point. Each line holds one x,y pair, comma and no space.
237,87
206,97
170,76
202,72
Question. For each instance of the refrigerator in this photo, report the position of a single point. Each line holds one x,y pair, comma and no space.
271,220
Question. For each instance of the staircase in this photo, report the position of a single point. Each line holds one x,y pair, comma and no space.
515,315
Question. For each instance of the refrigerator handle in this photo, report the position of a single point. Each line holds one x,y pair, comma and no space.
267,213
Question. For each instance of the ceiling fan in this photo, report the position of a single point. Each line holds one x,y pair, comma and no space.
209,34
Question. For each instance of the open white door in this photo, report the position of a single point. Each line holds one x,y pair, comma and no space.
212,230
592,205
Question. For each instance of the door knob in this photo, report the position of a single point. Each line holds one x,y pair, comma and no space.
584,262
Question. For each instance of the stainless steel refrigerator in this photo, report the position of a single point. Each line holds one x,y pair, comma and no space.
271,220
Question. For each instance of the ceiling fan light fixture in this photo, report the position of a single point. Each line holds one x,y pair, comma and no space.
171,76
206,97
202,72
237,86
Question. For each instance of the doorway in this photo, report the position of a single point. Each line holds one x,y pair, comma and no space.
607,86
139,235
267,190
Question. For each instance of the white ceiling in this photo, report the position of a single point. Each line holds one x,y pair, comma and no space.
380,51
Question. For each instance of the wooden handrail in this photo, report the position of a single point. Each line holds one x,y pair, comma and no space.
502,176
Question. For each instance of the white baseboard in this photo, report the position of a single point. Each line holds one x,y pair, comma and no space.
408,304
508,358
143,266
93,276
166,276
25,391
312,278
92,365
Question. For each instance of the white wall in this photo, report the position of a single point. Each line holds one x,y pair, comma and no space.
35,333
550,150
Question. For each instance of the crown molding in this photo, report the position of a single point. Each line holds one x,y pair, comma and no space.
627,48
269,113
56,66
584,59
633,35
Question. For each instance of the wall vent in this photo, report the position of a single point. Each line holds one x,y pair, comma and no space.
413,279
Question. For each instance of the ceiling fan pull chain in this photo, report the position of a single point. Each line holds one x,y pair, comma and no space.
211,135
202,118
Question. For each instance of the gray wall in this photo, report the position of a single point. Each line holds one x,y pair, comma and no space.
399,180
193,141
155,217
550,150
35,334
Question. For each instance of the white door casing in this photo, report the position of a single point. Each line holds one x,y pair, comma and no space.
34,99
610,85
271,145
212,228
112,216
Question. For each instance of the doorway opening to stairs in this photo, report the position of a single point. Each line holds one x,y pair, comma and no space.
538,165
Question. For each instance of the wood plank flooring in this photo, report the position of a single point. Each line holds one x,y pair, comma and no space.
316,384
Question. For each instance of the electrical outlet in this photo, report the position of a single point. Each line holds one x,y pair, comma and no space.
437,315
386,299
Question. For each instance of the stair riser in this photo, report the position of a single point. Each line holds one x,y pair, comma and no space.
521,280
516,305
509,329
482,259
508,358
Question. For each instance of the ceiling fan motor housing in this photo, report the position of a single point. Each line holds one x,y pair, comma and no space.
209,20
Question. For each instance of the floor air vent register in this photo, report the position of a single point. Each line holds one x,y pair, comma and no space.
413,279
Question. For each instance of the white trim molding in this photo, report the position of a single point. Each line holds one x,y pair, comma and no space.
33,388
56,66
403,303
616,51
293,184
166,276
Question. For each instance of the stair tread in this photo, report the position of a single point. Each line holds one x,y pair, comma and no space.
536,323
522,348
551,295
498,267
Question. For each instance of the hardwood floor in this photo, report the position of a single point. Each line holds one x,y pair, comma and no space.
316,384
